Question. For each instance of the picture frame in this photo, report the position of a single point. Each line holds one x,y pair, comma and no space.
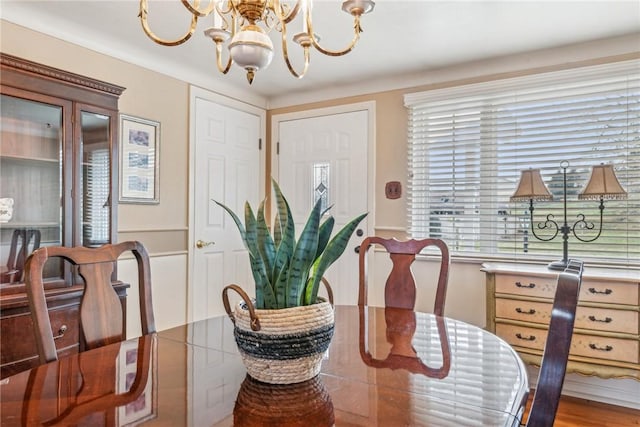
139,160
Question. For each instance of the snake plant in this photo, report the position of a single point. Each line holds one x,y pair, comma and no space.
287,273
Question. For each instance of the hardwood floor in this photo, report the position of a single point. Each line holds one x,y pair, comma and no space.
574,412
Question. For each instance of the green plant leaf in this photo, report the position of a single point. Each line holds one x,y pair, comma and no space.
277,230
265,242
284,250
303,256
280,286
243,233
334,249
326,228
264,293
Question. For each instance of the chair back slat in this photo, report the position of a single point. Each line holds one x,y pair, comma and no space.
101,310
400,288
557,346
102,319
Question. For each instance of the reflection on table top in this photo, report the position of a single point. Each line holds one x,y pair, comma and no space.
383,368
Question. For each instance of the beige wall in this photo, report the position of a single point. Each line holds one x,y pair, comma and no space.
149,95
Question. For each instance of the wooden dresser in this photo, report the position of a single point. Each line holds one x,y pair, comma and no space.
606,338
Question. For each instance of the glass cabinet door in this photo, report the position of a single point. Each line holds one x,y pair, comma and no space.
31,172
95,149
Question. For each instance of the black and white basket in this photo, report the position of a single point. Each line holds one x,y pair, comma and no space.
282,346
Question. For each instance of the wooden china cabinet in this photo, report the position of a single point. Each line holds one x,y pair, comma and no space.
58,170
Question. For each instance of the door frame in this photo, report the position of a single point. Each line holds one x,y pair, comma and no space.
199,93
370,108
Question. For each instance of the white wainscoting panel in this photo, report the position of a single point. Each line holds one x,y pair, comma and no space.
169,291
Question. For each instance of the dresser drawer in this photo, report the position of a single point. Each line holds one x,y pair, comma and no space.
594,318
614,349
533,286
606,348
590,291
527,311
65,325
614,293
522,336
605,319
18,341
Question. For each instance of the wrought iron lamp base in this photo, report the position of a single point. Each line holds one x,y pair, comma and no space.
560,265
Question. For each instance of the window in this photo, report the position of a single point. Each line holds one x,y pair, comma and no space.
468,145
96,197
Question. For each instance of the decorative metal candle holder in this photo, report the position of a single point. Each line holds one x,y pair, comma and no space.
603,184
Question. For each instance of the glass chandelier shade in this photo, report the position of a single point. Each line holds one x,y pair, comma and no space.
250,46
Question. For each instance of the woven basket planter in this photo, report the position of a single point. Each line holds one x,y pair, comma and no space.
282,346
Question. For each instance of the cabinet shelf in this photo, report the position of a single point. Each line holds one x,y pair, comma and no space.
16,224
29,160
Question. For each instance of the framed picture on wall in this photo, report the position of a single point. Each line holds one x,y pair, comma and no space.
139,160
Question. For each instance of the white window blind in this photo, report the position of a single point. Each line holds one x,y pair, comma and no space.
97,187
468,145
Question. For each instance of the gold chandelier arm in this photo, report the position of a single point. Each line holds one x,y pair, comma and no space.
289,66
221,68
357,29
285,49
292,13
195,8
145,26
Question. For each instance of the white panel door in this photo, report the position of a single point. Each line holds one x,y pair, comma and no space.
327,156
227,169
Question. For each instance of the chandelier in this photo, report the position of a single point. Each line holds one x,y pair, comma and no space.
250,46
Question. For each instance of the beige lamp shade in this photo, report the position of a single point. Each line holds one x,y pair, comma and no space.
531,187
604,184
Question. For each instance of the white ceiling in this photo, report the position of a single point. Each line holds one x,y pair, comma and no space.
400,37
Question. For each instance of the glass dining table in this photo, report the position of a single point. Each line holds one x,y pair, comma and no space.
384,367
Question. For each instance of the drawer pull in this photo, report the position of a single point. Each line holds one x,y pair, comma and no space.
521,311
530,285
605,292
61,332
605,348
605,320
529,338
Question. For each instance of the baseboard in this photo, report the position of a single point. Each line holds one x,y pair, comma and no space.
621,392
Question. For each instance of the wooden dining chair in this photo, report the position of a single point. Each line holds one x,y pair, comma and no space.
102,320
556,350
400,288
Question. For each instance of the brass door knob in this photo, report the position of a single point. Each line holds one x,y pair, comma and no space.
200,244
